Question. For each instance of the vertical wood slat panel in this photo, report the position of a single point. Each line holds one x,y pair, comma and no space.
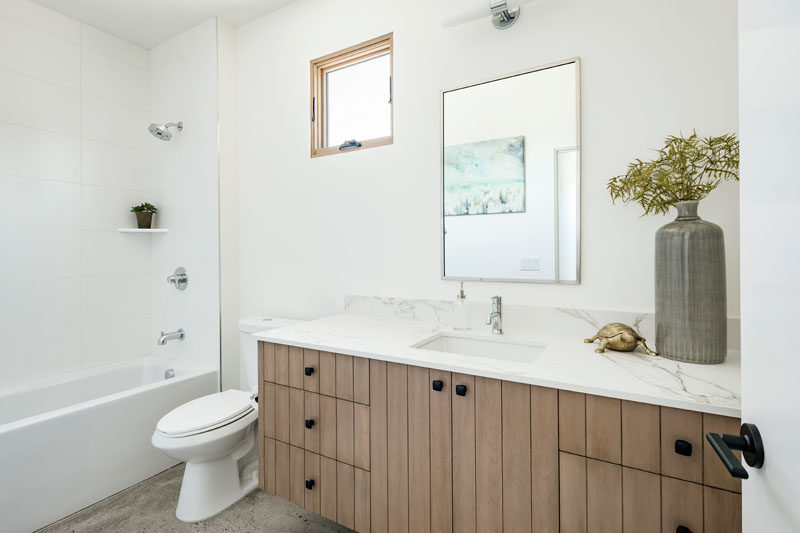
297,426
327,373
297,471
572,422
603,497
544,459
361,436
684,425
714,472
311,412
327,486
344,377
269,361
397,446
722,511
296,376
441,454
312,472
344,431
681,505
345,494
362,499
641,501
266,407
641,436
361,380
378,447
327,426
261,416
281,364
282,413
516,456
282,479
489,454
269,465
603,429
311,360
419,453
463,454
572,492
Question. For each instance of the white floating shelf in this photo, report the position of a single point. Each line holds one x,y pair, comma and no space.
137,230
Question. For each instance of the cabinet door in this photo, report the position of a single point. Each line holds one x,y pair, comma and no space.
463,454
397,421
572,493
641,501
378,428
516,456
312,475
641,428
489,454
682,462
441,453
722,510
311,361
603,497
544,459
603,429
419,452
572,422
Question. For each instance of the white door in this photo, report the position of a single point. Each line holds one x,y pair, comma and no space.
769,122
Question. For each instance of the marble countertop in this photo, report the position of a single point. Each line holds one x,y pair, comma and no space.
565,363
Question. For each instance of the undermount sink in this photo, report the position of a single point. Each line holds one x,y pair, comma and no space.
492,348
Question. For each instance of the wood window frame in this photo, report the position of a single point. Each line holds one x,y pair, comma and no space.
344,58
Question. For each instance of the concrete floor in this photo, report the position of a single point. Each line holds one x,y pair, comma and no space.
150,507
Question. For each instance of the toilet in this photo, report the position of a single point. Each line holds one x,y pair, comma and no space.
216,436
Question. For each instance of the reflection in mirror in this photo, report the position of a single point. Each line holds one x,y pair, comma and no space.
511,177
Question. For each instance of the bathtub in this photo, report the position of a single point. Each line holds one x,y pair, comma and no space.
69,441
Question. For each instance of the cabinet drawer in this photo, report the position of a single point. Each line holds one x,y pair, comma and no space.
338,429
682,444
681,505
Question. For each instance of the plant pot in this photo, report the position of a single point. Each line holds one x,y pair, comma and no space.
691,306
144,219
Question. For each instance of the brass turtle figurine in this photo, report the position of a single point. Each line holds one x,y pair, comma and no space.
619,337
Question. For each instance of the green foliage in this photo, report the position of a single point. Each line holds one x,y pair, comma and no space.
687,168
144,208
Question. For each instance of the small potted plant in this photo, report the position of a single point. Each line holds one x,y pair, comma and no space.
144,215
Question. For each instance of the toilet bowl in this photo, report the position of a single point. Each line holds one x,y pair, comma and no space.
216,436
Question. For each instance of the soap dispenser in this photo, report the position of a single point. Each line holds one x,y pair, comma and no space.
461,311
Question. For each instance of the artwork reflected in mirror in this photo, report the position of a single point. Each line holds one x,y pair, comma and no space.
511,177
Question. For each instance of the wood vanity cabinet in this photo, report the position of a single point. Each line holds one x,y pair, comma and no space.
387,447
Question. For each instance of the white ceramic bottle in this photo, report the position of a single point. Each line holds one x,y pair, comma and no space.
461,320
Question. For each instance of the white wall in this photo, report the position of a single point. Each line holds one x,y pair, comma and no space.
367,222
74,156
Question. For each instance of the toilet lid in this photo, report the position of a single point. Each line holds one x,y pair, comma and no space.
205,412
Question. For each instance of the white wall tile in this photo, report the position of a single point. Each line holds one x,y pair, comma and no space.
113,296
103,120
40,303
39,204
26,151
115,80
42,351
201,39
110,252
32,254
39,104
42,18
115,166
108,208
38,54
115,47
106,341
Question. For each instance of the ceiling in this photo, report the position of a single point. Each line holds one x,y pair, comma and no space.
151,22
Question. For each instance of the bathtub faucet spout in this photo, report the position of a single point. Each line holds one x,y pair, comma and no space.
179,334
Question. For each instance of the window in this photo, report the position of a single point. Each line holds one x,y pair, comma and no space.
351,98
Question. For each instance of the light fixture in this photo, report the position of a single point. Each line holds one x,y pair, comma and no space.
502,16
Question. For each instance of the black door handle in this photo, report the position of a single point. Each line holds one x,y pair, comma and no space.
461,390
309,484
683,448
309,424
308,370
683,529
438,384
748,442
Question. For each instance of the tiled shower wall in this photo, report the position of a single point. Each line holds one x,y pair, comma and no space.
74,156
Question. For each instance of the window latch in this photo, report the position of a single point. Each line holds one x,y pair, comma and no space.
349,144
314,109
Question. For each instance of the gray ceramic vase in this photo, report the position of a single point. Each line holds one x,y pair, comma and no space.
691,307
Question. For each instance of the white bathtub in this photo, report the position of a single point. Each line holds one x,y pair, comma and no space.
69,441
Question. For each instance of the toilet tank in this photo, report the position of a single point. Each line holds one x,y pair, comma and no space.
248,345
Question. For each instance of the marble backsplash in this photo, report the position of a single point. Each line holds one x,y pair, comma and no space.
544,322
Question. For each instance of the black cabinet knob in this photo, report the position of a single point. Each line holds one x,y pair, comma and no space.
461,390
683,529
308,370
438,384
683,448
309,424
309,484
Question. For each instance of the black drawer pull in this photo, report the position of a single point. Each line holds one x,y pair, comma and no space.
308,370
683,529
748,441
461,390
438,384
309,424
683,448
309,484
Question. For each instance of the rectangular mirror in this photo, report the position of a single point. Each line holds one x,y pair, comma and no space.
511,177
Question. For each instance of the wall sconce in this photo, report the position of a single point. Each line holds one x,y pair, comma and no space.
502,16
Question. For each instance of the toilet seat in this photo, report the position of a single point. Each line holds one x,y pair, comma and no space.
205,414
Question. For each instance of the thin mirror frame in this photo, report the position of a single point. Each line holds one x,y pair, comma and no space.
443,271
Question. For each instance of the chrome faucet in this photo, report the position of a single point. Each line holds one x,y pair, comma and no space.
179,334
495,318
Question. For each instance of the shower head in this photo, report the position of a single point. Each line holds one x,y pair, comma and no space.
161,131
